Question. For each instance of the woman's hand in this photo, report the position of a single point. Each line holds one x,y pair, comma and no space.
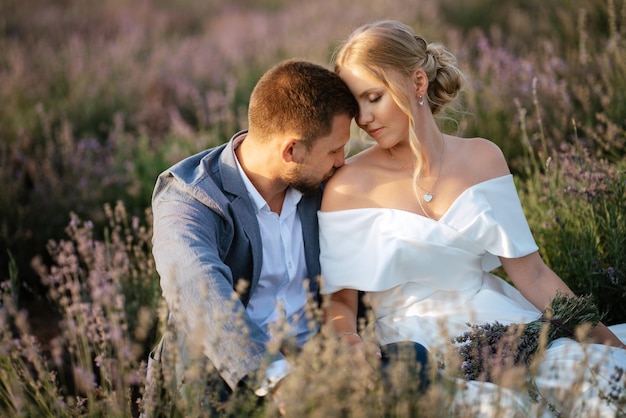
372,353
362,351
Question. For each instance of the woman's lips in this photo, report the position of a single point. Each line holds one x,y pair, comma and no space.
374,132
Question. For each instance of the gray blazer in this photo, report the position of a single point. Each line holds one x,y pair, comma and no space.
206,245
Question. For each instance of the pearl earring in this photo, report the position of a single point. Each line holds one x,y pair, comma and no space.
421,102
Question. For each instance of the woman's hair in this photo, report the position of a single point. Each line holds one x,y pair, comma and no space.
389,48
301,98
391,52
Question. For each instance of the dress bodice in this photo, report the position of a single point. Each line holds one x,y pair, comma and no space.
379,248
414,267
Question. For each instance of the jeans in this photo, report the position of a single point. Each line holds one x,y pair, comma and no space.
407,363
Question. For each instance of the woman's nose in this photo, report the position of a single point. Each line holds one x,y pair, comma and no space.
364,117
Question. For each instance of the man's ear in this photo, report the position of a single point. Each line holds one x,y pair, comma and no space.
290,150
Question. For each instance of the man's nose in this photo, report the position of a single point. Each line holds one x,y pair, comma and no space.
340,160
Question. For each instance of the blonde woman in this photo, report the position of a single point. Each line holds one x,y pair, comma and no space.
419,219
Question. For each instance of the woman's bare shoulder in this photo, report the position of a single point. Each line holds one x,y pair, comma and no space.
482,157
348,188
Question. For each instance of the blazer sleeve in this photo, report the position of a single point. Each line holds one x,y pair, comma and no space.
189,242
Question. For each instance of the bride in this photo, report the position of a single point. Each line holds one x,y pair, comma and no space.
419,219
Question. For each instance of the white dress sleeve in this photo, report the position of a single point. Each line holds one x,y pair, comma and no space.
490,213
352,250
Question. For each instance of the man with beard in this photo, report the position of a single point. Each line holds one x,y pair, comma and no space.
236,236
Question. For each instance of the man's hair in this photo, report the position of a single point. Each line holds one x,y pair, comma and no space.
300,98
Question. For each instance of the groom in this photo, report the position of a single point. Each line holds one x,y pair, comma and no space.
235,234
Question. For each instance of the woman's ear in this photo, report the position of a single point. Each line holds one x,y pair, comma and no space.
420,82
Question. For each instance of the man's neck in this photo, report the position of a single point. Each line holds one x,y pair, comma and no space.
258,164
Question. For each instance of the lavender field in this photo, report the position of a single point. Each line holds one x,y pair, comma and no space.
97,98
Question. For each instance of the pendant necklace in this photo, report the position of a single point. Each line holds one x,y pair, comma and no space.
428,196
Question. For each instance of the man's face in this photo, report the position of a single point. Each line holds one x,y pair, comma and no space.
324,158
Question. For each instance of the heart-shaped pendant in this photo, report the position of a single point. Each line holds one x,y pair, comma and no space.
427,197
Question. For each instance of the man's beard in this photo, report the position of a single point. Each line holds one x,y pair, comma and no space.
303,184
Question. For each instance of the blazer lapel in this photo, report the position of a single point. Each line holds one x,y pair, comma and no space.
307,209
242,204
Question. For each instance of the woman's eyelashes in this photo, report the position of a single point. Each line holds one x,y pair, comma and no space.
374,98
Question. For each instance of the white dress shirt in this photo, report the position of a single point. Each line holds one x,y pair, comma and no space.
278,302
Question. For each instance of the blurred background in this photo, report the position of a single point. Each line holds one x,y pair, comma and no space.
98,97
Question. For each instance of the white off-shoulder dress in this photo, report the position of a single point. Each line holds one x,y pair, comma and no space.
427,279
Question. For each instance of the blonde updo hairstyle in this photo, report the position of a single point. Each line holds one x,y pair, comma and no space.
391,51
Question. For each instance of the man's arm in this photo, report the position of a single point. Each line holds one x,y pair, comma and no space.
188,242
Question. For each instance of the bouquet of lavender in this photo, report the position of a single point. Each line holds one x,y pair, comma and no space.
490,348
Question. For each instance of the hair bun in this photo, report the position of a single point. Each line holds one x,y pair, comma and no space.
421,41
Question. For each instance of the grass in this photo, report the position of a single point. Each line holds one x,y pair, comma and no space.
98,99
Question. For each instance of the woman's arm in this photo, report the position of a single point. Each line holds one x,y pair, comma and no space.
539,284
342,315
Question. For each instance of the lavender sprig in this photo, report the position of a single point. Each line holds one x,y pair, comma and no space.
489,348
